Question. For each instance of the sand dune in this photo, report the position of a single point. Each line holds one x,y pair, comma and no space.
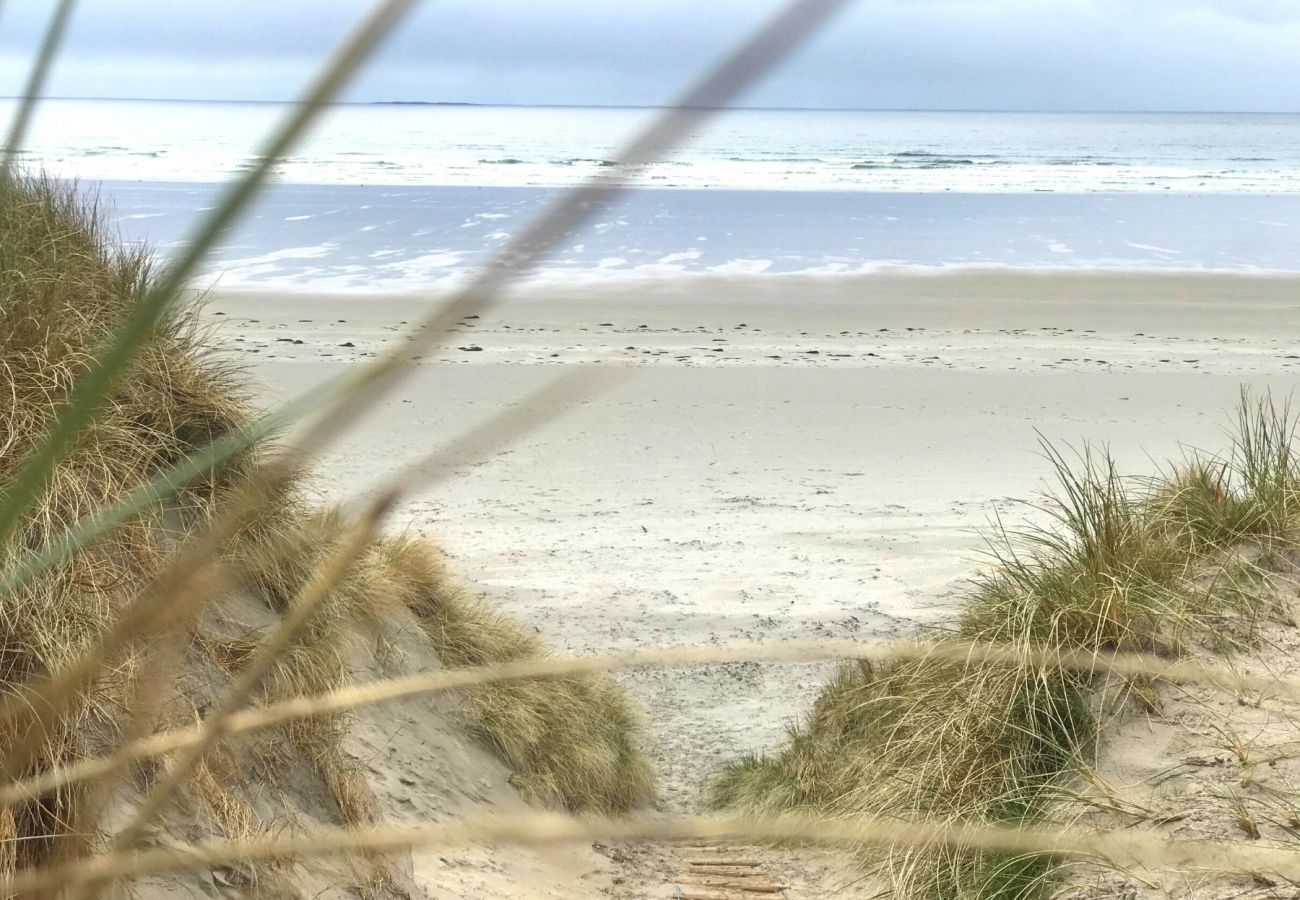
793,456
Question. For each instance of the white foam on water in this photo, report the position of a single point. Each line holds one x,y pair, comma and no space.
685,256
749,149
742,267
1153,248
436,272
659,268
419,269
314,251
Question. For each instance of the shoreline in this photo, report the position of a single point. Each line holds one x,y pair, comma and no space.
542,286
740,486
637,184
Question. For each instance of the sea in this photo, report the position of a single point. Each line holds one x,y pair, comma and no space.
405,197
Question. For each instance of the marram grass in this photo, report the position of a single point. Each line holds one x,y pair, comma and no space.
76,504
66,284
138,471
955,740
1120,567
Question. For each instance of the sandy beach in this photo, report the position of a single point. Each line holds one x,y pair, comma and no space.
952,346
791,457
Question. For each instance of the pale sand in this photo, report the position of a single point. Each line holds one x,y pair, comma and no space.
740,486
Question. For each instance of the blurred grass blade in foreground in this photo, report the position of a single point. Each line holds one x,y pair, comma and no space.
35,85
155,300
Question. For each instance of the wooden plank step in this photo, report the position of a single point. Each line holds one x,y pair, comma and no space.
696,878
705,850
755,887
725,871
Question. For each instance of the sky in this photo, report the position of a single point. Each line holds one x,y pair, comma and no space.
1230,55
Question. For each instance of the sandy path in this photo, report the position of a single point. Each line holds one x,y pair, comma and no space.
742,486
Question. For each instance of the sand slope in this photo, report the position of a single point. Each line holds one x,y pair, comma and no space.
742,486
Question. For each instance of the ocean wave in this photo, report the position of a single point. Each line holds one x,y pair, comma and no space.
1082,160
776,159
101,150
930,154
118,151
927,162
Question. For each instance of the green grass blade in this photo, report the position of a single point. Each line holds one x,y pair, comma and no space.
700,102
35,83
153,304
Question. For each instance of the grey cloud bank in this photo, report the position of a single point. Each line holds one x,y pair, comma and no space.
944,54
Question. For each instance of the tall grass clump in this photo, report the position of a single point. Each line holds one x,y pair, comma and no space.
569,739
1249,495
1119,565
66,284
571,742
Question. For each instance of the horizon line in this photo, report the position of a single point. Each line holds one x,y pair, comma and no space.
468,103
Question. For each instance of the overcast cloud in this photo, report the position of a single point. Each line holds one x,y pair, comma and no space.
934,54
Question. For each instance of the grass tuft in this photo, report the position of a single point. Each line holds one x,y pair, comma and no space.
1118,566
570,740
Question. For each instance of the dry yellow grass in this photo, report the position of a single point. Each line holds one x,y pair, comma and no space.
1120,580
548,830
65,285
1123,568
